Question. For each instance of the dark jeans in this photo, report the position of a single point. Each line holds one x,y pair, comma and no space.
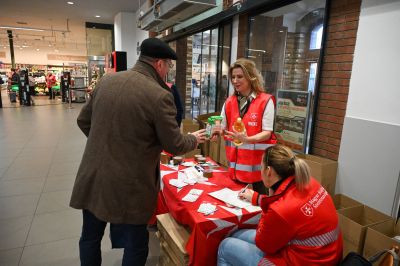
51,93
133,238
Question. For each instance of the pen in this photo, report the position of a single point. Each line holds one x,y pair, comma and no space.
244,189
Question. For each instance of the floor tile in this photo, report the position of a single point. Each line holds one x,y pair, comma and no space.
61,253
18,206
64,168
26,169
6,161
54,201
10,257
21,186
13,232
55,226
56,183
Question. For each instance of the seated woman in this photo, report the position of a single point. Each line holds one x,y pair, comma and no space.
298,225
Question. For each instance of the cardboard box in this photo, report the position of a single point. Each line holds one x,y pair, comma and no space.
214,150
189,125
202,119
353,224
222,154
380,236
342,202
322,169
173,238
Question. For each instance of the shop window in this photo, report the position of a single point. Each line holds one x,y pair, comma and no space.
210,55
316,37
312,77
285,44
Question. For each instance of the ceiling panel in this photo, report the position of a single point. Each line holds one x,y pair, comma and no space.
63,24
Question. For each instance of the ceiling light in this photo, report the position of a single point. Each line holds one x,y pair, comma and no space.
37,49
70,3
20,28
97,16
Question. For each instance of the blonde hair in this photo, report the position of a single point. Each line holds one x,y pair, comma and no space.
286,163
250,73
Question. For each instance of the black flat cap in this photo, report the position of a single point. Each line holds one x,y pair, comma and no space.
156,48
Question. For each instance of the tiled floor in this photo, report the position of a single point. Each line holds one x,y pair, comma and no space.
40,151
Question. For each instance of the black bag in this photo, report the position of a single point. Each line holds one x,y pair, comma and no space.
355,259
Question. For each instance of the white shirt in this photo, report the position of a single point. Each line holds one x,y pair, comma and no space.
267,119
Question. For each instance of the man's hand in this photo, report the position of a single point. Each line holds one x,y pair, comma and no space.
200,135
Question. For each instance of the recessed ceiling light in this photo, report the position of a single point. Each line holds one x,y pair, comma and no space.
37,49
97,16
70,3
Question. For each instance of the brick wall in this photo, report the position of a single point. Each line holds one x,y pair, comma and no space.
335,77
242,36
181,64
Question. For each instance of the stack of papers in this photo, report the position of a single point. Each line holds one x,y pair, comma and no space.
231,197
177,183
207,208
190,175
193,195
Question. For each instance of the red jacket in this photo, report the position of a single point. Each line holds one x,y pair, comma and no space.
244,161
51,81
299,228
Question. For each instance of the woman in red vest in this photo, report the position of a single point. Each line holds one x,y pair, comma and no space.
298,225
257,110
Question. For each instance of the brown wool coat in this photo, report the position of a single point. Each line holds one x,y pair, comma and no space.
129,120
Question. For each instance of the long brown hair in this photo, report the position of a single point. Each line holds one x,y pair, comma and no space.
286,163
250,73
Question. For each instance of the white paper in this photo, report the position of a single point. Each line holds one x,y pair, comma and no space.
187,179
188,164
190,197
231,197
235,211
253,208
193,195
177,183
207,208
195,191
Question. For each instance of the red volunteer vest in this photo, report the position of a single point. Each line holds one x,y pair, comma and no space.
244,161
307,220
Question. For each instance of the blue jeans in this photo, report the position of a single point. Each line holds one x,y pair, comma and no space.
240,249
133,238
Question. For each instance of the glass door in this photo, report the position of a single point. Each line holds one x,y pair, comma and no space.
210,64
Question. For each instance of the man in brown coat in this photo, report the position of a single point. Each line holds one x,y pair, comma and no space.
129,120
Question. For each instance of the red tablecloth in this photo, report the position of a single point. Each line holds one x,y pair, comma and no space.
207,231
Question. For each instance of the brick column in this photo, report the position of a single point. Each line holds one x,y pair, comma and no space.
335,77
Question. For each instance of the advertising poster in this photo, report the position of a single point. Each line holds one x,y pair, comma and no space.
291,118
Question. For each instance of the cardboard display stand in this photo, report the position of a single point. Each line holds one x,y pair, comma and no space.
381,236
322,169
342,202
354,223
